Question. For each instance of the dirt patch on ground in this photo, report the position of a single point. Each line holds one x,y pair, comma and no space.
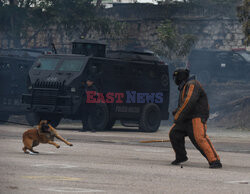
229,104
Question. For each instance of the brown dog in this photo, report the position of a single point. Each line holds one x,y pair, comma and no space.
44,133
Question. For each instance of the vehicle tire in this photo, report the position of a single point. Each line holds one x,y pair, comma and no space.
33,118
150,118
204,77
4,117
127,123
99,118
110,124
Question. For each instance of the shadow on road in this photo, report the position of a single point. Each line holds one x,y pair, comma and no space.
118,129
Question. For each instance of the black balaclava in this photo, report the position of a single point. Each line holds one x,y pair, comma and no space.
180,76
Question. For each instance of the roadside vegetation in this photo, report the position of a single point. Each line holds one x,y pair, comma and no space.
19,17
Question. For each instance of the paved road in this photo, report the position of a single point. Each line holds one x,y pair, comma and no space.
114,162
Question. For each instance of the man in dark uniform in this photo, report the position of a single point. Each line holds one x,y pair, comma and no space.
89,108
190,120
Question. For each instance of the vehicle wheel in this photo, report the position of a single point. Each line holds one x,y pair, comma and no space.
4,118
99,118
127,123
32,118
204,77
110,124
150,118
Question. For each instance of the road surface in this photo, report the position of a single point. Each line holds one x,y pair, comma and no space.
115,162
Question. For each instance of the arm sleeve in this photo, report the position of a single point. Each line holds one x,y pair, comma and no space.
188,103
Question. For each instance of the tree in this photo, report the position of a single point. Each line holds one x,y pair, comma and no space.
98,3
16,16
13,2
175,45
244,17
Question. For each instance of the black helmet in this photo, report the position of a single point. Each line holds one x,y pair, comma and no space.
180,75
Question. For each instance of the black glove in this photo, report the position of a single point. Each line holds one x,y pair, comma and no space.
174,112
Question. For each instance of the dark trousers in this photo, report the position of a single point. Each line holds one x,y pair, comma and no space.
88,111
195,129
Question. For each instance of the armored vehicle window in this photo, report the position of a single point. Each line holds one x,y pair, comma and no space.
46,64
246,56
71,65
237,58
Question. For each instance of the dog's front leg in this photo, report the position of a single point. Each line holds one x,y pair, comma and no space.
53,143
59,136
62,139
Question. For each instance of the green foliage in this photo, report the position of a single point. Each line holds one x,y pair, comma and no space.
186,44
12,18
177,45
71,16
168,34
68,12
244,15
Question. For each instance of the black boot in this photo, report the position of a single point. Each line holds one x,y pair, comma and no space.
215,164
84,127
179,160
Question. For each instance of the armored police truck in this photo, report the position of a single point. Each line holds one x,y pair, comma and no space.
132,86
14,67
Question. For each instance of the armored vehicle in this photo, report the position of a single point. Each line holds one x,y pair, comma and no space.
133,86
14,66
220,65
